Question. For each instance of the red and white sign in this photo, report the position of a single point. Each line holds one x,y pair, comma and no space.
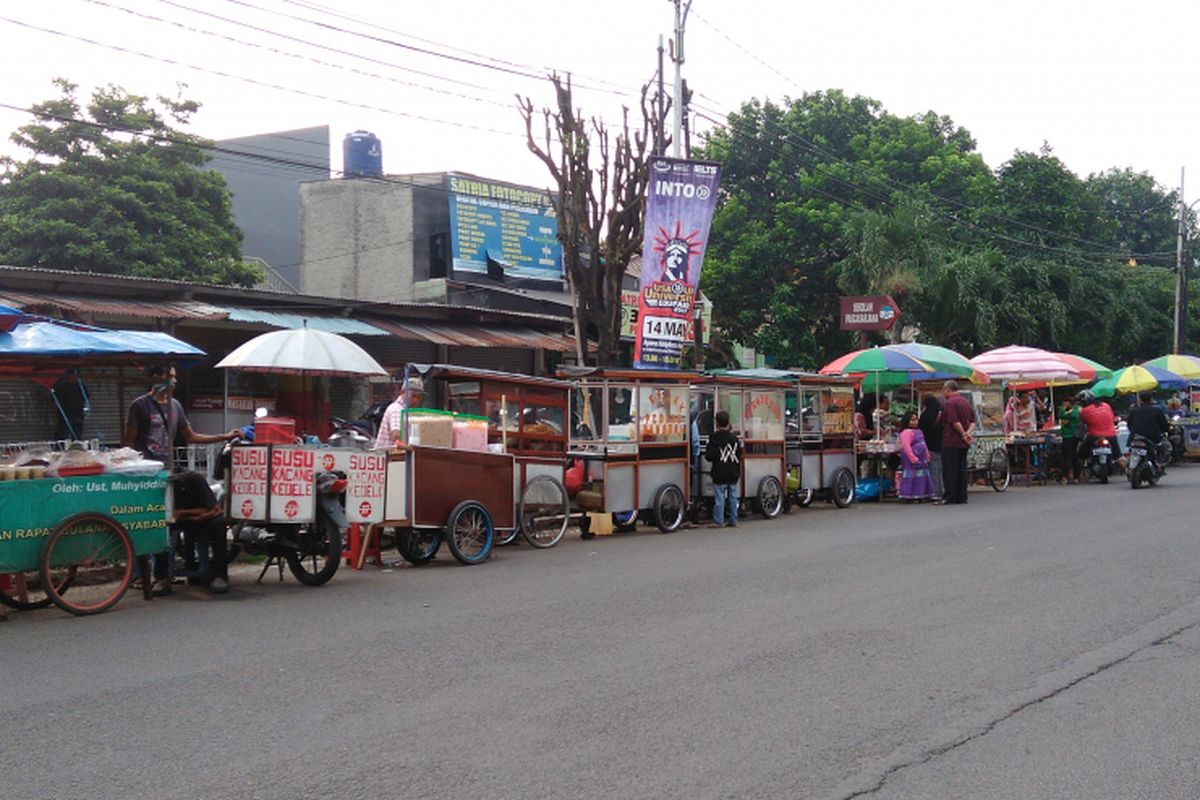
877,313
366,487
248,471
293,484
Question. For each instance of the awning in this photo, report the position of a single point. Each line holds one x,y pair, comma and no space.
478,335
325,323
151,309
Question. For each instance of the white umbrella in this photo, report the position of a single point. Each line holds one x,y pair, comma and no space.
302,351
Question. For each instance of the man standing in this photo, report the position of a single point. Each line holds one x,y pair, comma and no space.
71,399
958,423
391,427
154,420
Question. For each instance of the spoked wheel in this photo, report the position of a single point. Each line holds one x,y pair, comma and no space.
804,497
418,545
469,532
999,470
97,551
843,488
544,511
770,497
318,553
23,590
668,509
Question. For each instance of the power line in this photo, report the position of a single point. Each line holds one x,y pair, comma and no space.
255,82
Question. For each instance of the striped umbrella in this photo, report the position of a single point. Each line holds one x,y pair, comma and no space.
879,368
948,363
1138,379
1018,363
1181,364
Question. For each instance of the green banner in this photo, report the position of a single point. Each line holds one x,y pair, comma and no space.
30,509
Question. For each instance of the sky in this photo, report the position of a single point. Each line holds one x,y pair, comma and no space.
1106,84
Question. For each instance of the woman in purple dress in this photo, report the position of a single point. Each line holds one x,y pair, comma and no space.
915,480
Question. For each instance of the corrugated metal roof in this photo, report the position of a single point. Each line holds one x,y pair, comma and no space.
179,309
478,335
328,324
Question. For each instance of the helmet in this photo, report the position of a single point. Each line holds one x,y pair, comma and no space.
1085,397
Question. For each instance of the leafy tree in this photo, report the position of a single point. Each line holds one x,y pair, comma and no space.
116,188
1144,215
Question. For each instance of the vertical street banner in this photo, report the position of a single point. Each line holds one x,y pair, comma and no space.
680,197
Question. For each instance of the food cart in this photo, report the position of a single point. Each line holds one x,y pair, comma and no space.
629,430
987,457
819,435
73,520
756,412
525,416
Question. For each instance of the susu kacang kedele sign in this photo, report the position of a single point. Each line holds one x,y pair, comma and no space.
680,197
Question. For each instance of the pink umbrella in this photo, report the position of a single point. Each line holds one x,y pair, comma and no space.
1018,363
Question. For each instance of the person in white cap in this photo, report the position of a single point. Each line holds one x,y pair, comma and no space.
391,427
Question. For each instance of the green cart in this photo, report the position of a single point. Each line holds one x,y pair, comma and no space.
74,541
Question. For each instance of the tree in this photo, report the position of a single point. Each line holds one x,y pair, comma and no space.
116,188
600,206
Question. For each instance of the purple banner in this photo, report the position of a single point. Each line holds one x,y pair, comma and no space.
680,197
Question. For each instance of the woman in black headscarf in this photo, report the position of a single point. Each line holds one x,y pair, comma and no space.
930,423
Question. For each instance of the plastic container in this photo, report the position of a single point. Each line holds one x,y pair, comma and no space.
428,427
274,430
470,433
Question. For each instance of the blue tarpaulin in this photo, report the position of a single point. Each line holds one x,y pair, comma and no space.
40,338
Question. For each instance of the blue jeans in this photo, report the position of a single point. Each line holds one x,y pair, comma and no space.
726,492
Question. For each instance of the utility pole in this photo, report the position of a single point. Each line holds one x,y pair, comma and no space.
1180,282
681,12
659,140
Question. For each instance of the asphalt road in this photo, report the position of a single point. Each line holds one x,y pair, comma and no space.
1040,643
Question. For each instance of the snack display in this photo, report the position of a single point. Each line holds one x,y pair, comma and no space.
470,433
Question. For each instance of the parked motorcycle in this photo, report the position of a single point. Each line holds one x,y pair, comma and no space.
312,550
1147,461
1099,460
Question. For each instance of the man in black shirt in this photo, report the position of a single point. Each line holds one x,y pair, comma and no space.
1150,422
725,452
199,515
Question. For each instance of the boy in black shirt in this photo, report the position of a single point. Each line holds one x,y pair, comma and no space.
199,515
725,452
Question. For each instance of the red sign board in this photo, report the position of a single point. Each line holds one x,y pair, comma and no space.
876,313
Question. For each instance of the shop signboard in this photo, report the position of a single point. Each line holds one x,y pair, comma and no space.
366,487
248,480
516,226
680,197
293,485
875,313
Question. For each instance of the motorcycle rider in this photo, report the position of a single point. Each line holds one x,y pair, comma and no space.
1099,422
1150,422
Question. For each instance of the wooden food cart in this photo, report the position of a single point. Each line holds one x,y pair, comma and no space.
756,412
987,457
526,417
630,431
819,436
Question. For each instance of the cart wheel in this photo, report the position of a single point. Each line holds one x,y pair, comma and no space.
469,532
668,507
318,553
999,471
843,487
804,497
770,497
98,550
544,512
23,590
418,545
625,521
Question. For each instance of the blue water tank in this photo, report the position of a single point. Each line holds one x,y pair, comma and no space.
362,154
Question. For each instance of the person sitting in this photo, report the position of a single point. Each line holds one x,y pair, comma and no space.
1150,422
198,515
1020,416
916,483
1099,422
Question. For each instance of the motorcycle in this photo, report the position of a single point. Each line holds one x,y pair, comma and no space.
1147,461
312,550
1099,460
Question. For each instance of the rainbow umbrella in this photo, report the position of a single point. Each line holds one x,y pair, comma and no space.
946,362
878,368
1138,379
1181,364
